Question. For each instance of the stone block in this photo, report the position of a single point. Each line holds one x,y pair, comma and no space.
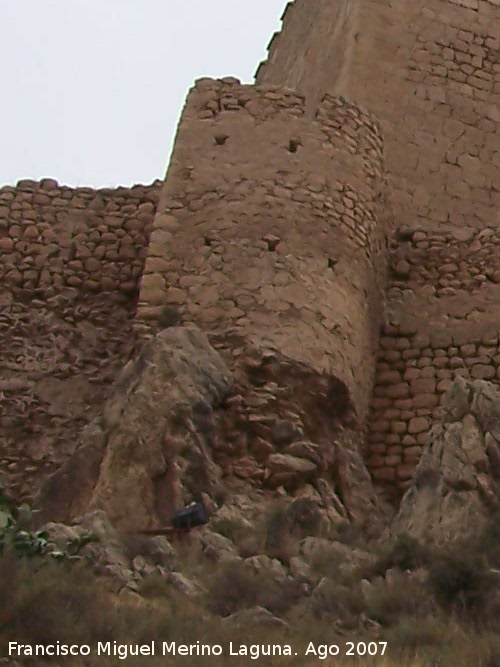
398,427
423,386
419,425
385,474
482,372
400,390
426,401
405,471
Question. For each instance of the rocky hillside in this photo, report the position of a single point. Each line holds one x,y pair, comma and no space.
295,532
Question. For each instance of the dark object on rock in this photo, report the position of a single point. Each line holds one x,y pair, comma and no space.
169,317
194,515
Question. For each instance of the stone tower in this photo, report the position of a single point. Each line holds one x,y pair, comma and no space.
272,226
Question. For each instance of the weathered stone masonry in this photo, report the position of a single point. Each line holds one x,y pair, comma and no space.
430,72
274,222
54,237
270,226
70,260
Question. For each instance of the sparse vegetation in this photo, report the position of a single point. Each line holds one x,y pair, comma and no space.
430,606
47,601
405,553
15,535
236,586
398,596
461,582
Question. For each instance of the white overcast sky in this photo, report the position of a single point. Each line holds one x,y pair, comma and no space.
91,90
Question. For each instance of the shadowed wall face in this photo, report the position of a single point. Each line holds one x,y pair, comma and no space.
269,225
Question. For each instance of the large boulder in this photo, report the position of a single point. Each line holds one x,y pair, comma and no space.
457,482
151,451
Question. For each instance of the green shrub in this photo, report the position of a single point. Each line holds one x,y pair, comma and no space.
14,534
408,633
401,596
461,581
489,543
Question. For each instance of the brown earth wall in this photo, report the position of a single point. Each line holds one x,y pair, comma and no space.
54,237
274,227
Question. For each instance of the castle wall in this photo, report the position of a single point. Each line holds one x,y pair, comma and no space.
270,226
312,52
431,72
53,237
443,319
272,223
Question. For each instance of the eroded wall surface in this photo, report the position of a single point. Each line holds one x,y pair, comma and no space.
70,260
430,71
271,225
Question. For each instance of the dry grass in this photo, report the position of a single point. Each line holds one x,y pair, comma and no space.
44,602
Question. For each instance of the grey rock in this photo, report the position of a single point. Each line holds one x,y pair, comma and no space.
159,551
286,463
307,450
457,401
300,570
184,585
161,404
493,451
218,548
255,616
285,431
271,566
455,488
142,567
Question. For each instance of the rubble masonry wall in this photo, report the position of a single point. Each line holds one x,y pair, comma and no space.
54,237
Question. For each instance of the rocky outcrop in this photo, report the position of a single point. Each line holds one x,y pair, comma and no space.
94,539
151,450
184,424
457,482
